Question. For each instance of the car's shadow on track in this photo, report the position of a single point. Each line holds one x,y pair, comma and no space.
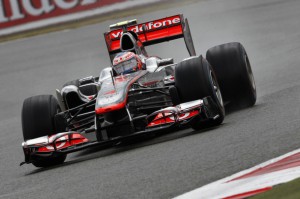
99,152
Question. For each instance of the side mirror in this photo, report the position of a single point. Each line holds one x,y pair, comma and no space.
87,80
166,61
89,89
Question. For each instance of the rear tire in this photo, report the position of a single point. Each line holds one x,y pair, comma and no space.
195,79
38,120
233,69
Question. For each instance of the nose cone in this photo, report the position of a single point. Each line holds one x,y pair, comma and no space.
114,91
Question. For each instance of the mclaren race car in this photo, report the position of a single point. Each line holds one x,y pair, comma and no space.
138,94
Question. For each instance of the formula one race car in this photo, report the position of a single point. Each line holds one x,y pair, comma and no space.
139,94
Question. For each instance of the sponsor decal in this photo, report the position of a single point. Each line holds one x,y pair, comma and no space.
152,25
17,12
165,29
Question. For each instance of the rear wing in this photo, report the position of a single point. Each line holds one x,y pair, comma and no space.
153,32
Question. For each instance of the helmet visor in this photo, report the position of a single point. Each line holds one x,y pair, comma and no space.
126,67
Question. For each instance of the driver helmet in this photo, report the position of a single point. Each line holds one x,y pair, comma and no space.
127,62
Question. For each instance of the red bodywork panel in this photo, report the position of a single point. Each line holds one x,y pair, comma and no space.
156,31
63,142
110,108
169,118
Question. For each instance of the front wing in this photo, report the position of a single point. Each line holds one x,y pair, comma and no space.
161,120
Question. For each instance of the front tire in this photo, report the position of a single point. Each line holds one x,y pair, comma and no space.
195,79
233,69
38,120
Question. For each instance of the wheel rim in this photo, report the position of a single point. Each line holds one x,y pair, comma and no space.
216,89
250,73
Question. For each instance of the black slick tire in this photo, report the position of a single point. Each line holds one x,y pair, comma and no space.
38,114
233,69
195,79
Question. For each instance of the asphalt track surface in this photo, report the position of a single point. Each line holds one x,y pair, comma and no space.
172,164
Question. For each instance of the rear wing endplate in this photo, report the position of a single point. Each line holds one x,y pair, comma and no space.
153,32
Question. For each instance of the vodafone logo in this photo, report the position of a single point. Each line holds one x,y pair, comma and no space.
149,26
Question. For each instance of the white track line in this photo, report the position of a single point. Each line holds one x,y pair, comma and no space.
225,187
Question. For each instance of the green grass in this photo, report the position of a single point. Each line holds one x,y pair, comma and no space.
290,190
98,19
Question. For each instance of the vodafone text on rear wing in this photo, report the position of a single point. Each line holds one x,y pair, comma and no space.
154,32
